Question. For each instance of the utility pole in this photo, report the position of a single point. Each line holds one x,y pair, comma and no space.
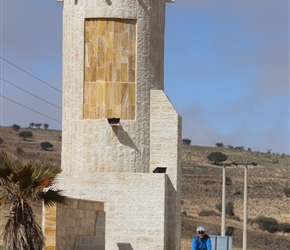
223,229
245,221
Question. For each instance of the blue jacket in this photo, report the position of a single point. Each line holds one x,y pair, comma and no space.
201,244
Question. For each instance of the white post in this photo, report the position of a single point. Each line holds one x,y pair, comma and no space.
223,229
245,208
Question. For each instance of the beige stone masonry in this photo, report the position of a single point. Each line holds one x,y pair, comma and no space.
91,143
76,218
165,151
134,206
113,66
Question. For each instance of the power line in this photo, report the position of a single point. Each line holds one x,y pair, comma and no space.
30,93
29,108
30,74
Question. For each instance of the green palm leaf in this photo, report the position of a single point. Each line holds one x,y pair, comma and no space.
52,196
23,183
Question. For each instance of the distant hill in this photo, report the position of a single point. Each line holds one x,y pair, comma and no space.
201,185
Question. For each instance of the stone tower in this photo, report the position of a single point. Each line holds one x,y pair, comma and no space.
118,126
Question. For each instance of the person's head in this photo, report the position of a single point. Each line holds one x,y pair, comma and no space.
200,232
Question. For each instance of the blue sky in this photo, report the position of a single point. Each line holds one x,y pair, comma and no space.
226,68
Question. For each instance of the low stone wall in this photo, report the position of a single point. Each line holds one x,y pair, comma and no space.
64,225
136,214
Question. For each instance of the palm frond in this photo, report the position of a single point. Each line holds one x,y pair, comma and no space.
5,166
51,197
25,176
44,182
9,162
2,199
45,176
45,170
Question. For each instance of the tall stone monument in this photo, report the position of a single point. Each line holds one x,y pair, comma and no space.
119,129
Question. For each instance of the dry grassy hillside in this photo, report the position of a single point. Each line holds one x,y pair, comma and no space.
201,186
31,147
202,190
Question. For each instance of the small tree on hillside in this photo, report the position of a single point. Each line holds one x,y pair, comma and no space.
45,125
15,127
286,191
219,145
25,134
217,157
38,125
46,145
31,125
186,141
1,140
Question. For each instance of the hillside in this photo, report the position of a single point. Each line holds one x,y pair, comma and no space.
201,186
202,190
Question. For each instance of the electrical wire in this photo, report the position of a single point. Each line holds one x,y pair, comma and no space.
30,93
29,108
29,74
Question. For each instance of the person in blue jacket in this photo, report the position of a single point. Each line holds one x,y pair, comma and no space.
201,241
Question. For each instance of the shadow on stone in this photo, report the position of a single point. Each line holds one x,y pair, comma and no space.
124,246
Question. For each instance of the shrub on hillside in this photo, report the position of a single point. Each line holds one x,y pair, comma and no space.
230,231
208,213
1,140
229,208
25,134
19,152
228,181
235,217
46,145
284,228
286,191
267,224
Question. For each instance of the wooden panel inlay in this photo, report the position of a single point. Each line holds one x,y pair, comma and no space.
110,69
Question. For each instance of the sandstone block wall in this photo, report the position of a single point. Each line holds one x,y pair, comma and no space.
87,138
134,205
78,217
165,151
114,163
